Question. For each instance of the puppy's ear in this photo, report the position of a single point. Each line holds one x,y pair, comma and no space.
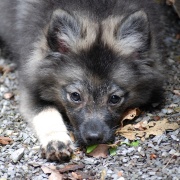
64,32
133,34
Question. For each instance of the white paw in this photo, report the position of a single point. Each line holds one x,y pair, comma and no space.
57,147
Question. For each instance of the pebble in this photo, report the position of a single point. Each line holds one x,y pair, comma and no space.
134,162
17,155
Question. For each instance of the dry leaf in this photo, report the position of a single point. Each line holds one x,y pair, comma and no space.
5,140
55,176
152,128
72,167
130,114
76,176
100,151
79,175
153,156
46,170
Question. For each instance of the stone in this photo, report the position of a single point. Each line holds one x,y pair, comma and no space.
17,155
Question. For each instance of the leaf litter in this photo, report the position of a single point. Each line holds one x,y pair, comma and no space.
142,130
146,129
5,140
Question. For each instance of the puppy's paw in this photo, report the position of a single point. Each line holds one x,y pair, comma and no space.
57,149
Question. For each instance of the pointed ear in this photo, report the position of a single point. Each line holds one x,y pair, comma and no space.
133,33
64,32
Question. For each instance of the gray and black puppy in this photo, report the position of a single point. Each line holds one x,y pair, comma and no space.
82,61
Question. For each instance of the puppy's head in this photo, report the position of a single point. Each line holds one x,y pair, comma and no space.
95,70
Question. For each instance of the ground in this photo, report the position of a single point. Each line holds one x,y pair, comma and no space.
155,158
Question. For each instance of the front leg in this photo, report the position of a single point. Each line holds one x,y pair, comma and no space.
53,135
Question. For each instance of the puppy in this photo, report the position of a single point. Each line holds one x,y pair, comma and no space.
82,63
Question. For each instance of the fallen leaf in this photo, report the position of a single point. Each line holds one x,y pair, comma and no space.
153,156
55,176
152,128
90,148
100,151
112,151
115,144
141,125
134,143
76,176
130,114
46,170
5,140
72,167
79,175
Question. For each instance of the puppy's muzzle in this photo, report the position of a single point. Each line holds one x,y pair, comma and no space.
94,132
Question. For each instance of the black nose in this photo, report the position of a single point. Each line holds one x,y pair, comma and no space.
93,138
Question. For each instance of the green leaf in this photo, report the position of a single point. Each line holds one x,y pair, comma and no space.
134,143
113,151
89,149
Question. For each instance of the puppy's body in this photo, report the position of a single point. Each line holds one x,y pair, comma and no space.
86,61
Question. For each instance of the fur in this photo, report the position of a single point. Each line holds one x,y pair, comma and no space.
83,62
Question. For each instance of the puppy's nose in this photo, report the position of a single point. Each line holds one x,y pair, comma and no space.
94,138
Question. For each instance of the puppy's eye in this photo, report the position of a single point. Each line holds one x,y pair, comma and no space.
114,99
75,97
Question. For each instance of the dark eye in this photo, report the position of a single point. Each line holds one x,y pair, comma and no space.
114,99
75,97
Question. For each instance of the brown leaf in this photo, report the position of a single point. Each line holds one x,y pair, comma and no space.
72,167
55,176
5,140
46,170
153,156
152,128
76,176
79,175
130,114
141,125
100,151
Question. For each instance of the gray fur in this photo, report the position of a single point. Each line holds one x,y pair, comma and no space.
102,50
